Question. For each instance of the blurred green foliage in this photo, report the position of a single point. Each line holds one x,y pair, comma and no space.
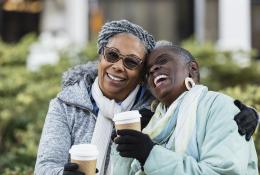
25,95
24,100
221,69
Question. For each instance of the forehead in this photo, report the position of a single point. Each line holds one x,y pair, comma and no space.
165,52
127,44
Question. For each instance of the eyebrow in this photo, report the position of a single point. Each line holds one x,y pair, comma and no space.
124,54
156,60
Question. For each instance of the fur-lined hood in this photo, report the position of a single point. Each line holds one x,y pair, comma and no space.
76,85
75,74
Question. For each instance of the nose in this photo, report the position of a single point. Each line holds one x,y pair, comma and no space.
154,68
118,66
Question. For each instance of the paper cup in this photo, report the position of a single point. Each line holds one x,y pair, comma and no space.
128,120
85,155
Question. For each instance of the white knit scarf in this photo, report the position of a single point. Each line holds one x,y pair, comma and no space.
104,124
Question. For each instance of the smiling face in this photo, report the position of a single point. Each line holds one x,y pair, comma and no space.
115,80
166,72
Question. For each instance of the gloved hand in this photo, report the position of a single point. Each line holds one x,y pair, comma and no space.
113,135
146,117
246,120
72,169
134,144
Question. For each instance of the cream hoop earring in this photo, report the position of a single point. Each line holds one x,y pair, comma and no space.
189,83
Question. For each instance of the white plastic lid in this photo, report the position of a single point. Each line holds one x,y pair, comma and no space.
127,116
83,152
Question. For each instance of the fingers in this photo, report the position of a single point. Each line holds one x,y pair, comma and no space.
129,132
128,154
241,116
126,148
249,135
241,131
113,135
71,166
125,140
240,105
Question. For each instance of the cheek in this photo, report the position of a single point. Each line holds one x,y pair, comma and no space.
102,65
134,76
149,82
99,69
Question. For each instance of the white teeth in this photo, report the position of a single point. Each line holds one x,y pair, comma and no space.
156,80
114,78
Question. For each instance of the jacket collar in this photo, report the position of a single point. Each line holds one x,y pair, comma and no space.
77,83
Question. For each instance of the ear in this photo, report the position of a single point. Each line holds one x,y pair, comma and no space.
194,71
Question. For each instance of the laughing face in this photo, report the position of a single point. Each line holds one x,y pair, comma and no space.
115,80
166,72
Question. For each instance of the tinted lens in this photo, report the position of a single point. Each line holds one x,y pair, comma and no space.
111,55
131,62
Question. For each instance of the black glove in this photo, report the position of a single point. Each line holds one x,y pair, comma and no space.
134,144
113,135
146,117
246,120
72,169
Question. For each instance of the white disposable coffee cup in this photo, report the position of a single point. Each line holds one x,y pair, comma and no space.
128,120
85,155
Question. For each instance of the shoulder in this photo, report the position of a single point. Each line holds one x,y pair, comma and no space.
216,100
217,109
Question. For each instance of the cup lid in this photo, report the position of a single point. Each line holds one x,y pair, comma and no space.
84,150
127,115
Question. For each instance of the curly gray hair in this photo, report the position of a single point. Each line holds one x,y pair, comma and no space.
112,28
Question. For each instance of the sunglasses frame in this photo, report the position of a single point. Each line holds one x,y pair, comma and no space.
123,57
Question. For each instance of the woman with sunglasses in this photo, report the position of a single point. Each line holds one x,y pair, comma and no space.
82,111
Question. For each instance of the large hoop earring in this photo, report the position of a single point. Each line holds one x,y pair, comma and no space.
189,83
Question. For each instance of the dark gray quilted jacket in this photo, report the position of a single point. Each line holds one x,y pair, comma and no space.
70,119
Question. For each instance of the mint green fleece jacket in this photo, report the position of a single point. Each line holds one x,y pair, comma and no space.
222,151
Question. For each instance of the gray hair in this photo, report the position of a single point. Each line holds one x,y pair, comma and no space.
112,28
183,52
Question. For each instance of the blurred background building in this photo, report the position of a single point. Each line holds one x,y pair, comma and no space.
231,24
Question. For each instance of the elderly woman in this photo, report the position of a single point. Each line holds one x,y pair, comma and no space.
192,130
82,111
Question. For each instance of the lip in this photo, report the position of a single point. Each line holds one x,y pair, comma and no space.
157,75
114,80
158,80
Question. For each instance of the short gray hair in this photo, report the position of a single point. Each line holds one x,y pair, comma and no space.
183,52
112,28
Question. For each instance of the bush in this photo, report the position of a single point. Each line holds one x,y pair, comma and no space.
24,99
220,69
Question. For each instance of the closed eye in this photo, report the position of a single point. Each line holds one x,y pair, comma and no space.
161,60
